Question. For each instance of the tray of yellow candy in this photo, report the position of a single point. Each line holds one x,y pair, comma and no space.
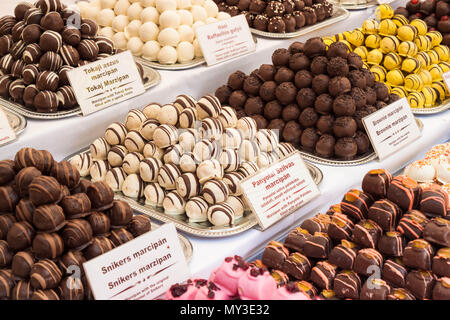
404,55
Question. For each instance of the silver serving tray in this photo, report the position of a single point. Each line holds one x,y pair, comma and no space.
444,106
369,4
201,229
339,14
151,79
364,158
176,66
186,245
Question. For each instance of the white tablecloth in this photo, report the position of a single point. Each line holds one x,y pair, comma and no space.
66,136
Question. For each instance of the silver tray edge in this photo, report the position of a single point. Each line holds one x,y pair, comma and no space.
357,6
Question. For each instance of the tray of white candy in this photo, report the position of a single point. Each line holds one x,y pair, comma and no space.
183,163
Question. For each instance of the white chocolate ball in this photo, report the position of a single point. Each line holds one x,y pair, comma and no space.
134,1
107,4
135,46
211,8
185,51
169,37
210,20
132,29
150,14
198,2
148,3
167,55
105,17
197,49
169,19
82,6
91,13
223,16
150,50
199,13
184,4
121,7
186,33
163,5
197,24
148,31
134,11
119,40
119,23
106,32
96,3
185,17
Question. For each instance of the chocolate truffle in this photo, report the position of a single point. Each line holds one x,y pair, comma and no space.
405,192
52,21
20,235
376,183
276,25
337,66
88,49
354,61
344,127
338,86
49,218
24,178
290,112
88,28
77,234
261,122
44,190
320,84
382,91
299,61
308,118
292,132
280,57
323,104
306,98
347,284
120,213
267,91
344,255
236,80
286,93
310,15
314,46
99,246
420,283
6,254
266,72
6,222
71,35
284,75
223,93
356,204
101,195
300,19
48,245
438,231
237,99
366,233
277,124
22,263
303,79
139,225
394,272
325,146
337,49
120,236
319,65
261,21
45,274
50,61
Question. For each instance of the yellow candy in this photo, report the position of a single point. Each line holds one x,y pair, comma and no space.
365,65
400,91
430,96
407,49
370,26
434,56
339,37
379,72
416,99
411,65
435,37
374,57
384,11
426,76
373,41
420,25
407,33
445,66
399,20
442,51
436,72
327,41
424,59
423,43
356,38
389,44
392,61
413,82
362,52
395,77
387,28
441,89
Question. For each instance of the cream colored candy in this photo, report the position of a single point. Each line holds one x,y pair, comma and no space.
188,163
184,101
221,214
154,195
184,4
107,32
148,31
188,139
148,128
83,163
169,37
134,120
223,16
237,204
267,140
210,20
232,138
173,203
119,23
196,209
98,170
91,12
204,150
211,8
151,150
169,19
265,159
247,168
150,14
199,13
107,4
230,160
197,49
150,50
165,135
208,107
197,2
149,169
133,186
105,17
99,149
248,127
198,24
119,40
209,169
185,17
115,133
421,171
173,154
167,176
188,118
132,29
163,5
135,46
228,117
152,110
215,191
121,7
116,156
185,52
131,162
115,178
187,185
148,3
134,11
168,115
186,33
167,55
233,181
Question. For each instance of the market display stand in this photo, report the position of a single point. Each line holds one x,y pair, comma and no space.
65,136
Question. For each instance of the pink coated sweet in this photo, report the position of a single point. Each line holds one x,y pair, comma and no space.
211,292
185,291
229,273
256,284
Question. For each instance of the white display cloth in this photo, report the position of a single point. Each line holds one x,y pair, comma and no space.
66,136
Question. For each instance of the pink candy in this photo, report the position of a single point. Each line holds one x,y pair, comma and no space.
256,284
229,273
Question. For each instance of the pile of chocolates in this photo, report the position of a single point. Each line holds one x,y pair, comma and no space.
187,157
38,46
434,12
388,241
278,16
403,54
314,95
51,222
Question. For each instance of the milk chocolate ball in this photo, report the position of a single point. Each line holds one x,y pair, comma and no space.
292,132
272,110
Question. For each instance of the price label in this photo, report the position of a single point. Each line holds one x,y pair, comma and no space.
141,269
391,128
7,134
279,190
106,82
225,40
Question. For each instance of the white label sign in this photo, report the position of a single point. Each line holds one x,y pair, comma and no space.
141,269
446,77
7,134
225,40
106,82
279,190
391,128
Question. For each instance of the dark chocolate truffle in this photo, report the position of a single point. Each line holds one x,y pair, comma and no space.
292,132
308,118
320,84
280,57
303,79
345,148
306,98
273,110
325,146
267,91
344,127
325,124
339,85
286,93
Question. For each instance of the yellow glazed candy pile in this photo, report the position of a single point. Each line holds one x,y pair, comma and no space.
402,54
